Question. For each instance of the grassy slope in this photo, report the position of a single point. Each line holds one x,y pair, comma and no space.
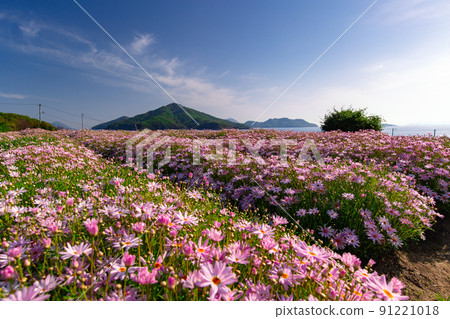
16,122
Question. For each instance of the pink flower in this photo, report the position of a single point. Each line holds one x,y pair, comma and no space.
70,201
15,252
76,251
7,273
91,226
283,275
171,283
27,294
215,235
218,277
138,227
128,260
313,252
351,260
386,291
144,277
262,230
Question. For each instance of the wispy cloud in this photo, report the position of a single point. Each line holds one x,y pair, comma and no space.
414,11
140,43
12,96
29,28
111,67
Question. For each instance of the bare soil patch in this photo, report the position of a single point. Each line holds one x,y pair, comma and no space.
423,267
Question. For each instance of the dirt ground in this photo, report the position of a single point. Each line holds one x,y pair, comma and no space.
424,267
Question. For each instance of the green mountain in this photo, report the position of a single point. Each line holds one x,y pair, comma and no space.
17,122
282,122
170,116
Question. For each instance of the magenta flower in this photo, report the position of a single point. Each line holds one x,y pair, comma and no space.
217,277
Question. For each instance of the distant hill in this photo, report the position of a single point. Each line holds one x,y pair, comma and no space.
170,116
60,125
232,120
16,122
104,126
282,122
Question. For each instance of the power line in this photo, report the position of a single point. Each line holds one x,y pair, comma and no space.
28,104
73,114
58,110
60,119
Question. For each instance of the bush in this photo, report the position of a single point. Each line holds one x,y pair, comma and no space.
351,120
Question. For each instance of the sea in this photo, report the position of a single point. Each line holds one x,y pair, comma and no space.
422,130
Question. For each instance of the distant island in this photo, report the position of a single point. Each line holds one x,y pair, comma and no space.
61,126
281,122
171,116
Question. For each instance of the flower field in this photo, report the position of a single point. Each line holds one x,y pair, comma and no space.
78,222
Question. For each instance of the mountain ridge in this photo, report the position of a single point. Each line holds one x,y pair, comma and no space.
171,116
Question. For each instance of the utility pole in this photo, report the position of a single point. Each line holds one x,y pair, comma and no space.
40,113
82,121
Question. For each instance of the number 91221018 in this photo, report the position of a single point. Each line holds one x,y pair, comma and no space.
410,310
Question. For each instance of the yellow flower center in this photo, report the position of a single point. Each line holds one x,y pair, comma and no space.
216,281
284,275
388,293
127,243
157,265
201,250
312,254
122,269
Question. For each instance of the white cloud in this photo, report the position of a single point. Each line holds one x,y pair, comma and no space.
140,43
29,28
12,96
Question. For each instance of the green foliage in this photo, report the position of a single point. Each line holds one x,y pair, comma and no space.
351,120
16,122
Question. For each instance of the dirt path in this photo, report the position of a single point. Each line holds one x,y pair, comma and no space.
424,267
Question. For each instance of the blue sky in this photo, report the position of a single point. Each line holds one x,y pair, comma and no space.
226,58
